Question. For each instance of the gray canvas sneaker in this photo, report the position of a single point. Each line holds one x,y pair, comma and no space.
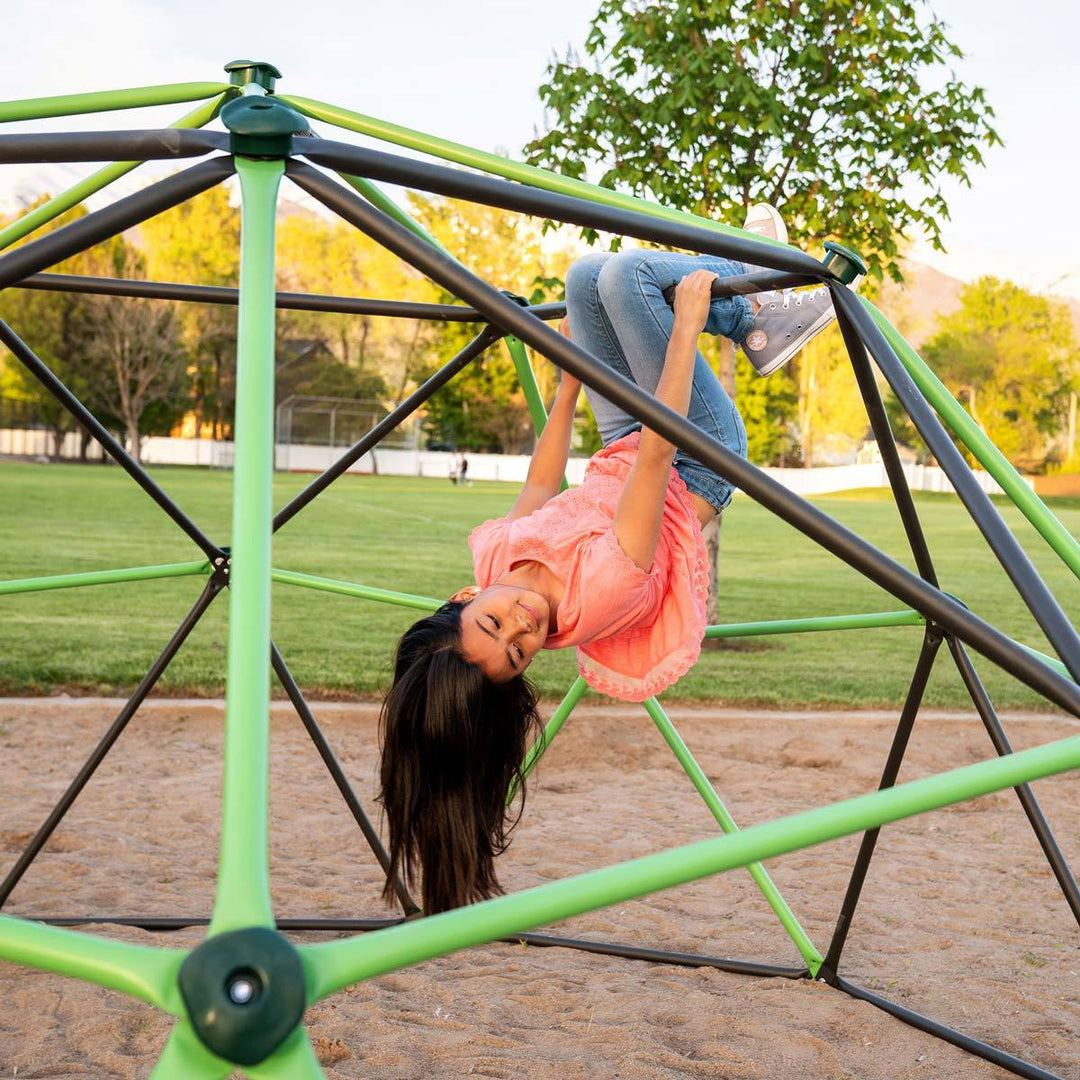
786,321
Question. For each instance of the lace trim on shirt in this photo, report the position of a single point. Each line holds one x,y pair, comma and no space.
626,688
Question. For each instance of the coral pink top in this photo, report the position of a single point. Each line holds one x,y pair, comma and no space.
636,632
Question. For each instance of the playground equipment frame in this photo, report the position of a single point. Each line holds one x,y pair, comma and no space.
242,903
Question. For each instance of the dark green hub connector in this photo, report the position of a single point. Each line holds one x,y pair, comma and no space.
244,993
242,72
516,297
261,127
845,264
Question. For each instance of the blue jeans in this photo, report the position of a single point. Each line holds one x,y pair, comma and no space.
618,314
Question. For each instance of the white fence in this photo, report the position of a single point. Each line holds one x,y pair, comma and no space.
824,479
434,464
38,443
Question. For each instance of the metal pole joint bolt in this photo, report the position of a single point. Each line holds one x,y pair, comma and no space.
219,576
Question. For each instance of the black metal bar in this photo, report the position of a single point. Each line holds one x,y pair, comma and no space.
950,1035
976,690
749,284
923,666
111,220
333,766
659,956
286,301
894,468
482,341
167,924
834,537
409,172
143,145
981,700
94,427
1040,601
56,815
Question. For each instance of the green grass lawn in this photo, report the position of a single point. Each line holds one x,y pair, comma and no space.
410,535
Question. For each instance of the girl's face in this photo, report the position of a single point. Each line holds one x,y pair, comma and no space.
502,628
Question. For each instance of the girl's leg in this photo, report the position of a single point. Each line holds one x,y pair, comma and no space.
592,330
630,288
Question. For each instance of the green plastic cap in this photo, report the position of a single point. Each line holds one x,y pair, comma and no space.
244,992
845,264
262,127
242,72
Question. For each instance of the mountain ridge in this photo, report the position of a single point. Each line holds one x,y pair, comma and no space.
928,294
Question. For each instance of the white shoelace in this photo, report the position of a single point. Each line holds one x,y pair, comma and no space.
806,294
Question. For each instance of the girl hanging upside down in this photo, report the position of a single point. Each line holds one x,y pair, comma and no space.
616,567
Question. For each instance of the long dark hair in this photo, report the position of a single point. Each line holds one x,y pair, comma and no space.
453,743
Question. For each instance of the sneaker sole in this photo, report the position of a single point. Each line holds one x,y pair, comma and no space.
800,342
777,222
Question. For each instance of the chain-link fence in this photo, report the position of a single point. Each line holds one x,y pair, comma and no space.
305,420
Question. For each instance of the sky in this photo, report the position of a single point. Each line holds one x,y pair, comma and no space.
469,70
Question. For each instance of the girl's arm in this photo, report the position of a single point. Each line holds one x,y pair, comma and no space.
548,465
640,509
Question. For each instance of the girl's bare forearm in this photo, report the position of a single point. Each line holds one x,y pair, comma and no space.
640,508
549,459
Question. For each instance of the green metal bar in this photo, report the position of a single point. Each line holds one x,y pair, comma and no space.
537,413
243,892
728,630
136,970
822,622
849,622
337,964
686,759
554,725
104,176
186,1057
1049,661
379,199
293,1060
363,592
975,439
135,97
527,379
499,166
104,577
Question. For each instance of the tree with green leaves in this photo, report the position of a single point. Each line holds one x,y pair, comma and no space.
484,408
842,113
831,414
56,326
845,114
320,256
1012,359
198,242
769,409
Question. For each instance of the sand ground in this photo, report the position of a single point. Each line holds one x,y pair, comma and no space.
961,918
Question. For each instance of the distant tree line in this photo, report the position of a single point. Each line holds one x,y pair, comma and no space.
144,366
845,114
